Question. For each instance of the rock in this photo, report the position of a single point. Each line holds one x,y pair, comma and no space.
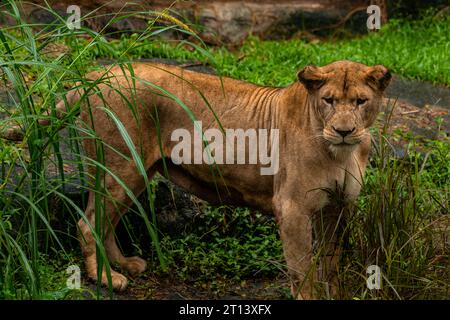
176,209
231,22
420,123
196,66
419,93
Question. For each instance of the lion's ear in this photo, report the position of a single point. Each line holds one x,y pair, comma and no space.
380,76
311,77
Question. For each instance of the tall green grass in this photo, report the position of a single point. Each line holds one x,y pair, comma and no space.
401,223
25,231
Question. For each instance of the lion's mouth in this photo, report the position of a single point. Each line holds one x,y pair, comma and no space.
343,144
336,140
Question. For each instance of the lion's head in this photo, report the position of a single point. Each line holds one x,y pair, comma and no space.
346,97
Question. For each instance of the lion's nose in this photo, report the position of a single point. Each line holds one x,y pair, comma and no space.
344,133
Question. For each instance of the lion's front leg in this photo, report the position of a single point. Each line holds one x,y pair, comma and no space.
296,235
327,224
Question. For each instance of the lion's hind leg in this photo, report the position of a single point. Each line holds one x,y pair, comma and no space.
116,202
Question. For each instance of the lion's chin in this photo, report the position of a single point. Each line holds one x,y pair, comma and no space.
342,150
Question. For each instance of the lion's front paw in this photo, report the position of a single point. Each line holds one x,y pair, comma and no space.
134,265
119,281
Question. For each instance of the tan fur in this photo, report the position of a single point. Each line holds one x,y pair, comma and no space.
310,158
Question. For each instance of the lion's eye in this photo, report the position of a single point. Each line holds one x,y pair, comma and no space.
328,100
360,102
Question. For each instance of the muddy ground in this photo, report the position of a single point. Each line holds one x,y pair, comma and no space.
150,287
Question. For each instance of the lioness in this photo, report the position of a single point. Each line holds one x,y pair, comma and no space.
323,120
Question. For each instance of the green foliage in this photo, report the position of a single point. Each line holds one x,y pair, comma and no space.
35,80
53,274
400,224
229,243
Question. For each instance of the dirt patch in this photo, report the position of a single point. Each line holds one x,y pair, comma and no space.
408,121
150,287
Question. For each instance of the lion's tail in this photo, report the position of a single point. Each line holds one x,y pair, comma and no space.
16,132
